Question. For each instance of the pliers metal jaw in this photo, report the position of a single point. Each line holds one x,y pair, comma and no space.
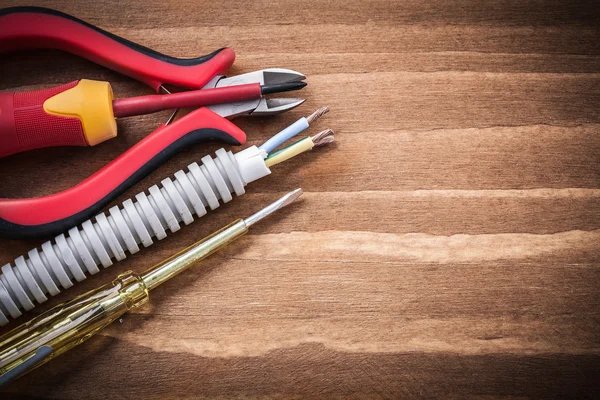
258,107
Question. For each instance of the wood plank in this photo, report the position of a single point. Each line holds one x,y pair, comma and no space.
289,12
446,246
555,157
314,371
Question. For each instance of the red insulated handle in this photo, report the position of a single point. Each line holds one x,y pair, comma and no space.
36,27
24,125
56,213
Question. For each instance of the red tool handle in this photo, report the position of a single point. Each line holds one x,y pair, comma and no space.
36,27
25,125
53,214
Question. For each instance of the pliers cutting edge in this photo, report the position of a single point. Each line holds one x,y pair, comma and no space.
28,28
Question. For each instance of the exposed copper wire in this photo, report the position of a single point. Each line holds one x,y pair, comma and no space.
323,138
324,141
317,114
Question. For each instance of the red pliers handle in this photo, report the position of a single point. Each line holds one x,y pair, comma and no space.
53,214
37,28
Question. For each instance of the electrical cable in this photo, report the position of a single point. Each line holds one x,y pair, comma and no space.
299,147
293,130
149,215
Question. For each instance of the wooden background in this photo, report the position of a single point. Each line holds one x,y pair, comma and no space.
447,245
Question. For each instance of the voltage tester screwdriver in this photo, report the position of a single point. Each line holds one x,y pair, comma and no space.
65,326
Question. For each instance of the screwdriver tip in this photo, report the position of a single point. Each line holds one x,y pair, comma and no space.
290,198
271,208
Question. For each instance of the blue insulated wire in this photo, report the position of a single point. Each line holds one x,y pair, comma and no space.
285,135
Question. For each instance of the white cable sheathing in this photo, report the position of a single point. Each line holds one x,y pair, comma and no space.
80,248
68,258
71,256
46,282
30,280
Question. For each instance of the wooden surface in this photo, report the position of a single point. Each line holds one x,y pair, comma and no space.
447,245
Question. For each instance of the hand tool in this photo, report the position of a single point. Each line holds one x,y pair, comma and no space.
50,215
133,224
28,121
65,326
83,113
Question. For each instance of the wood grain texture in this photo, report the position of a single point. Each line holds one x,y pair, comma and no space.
447,245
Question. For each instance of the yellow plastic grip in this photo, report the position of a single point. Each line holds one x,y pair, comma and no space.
91,102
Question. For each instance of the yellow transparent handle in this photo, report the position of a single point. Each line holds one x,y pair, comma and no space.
69,324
